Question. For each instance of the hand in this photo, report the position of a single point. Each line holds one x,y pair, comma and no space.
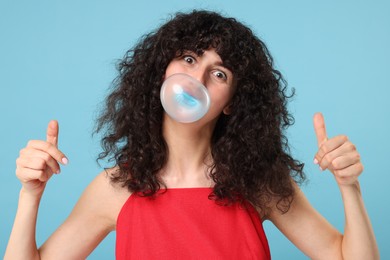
336,154
39,160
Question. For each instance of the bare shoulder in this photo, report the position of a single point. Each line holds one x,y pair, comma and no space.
109,197
93,217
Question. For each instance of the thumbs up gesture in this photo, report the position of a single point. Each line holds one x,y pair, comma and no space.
336,154
39,160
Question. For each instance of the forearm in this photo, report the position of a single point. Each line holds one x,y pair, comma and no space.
22,243
359,240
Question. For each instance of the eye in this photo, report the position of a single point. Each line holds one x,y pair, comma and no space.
189,59
219,74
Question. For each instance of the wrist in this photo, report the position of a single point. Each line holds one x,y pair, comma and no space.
31,197
352,188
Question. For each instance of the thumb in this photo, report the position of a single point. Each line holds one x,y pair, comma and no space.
52,132
319,128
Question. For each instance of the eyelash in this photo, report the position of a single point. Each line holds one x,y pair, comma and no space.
224,76
186,58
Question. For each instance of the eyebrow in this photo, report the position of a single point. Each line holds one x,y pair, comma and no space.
219,63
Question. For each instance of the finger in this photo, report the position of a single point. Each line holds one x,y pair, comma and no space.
319,128
52,133
352,171
30,153
339,162
28,175
345,161
34,163
48,148
333,148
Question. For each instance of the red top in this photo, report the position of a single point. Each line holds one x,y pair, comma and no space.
185,224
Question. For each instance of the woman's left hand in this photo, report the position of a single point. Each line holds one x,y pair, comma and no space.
337,154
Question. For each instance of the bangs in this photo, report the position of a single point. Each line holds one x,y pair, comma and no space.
203,31
200,47
240,50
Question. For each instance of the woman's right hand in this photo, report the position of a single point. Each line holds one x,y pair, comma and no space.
39,160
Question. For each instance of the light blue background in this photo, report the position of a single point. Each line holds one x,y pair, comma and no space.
57,60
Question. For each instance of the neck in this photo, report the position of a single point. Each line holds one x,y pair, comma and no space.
188,154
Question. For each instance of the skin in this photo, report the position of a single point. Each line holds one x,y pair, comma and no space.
302,223
95,214
189,144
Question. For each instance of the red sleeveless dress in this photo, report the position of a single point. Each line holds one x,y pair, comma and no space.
185,224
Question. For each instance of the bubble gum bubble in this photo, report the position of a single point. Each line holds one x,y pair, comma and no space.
184,98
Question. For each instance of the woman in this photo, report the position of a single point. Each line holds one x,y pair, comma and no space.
201,189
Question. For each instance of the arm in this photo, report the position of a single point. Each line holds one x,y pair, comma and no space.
359,239
93,217
318,239
34,167
340,156
22,244
308,230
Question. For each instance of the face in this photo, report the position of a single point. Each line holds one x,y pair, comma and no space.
210,71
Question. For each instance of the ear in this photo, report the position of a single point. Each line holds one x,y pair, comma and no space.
228,109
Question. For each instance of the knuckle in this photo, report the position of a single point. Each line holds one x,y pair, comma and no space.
22,151
358,157
361,167
344,138
21,173
341,174
351,146
335,164
31,143
18,161
17,172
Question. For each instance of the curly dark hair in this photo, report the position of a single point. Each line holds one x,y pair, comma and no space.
251,160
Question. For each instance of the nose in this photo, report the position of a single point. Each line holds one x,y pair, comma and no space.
200,75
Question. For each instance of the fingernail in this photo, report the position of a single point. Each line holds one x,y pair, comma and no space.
64,160
59,171
315,161
321,169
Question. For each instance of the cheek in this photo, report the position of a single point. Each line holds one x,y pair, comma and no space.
220,97
223,92
172,68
